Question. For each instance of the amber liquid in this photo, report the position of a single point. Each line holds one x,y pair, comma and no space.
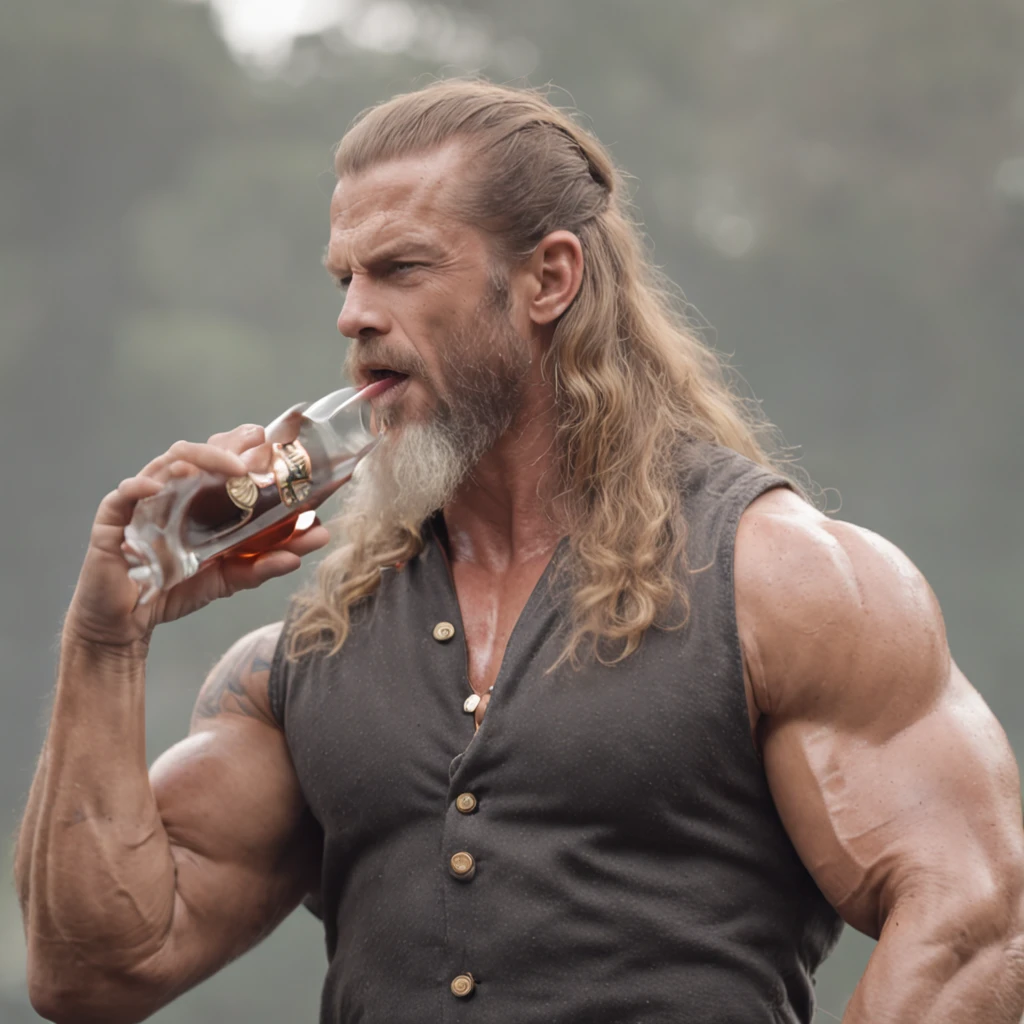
267,538
213,518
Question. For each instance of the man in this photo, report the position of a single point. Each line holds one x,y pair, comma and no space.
590,717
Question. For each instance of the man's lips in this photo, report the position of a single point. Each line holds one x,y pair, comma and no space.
378,387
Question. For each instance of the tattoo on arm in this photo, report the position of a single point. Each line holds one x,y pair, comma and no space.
229,688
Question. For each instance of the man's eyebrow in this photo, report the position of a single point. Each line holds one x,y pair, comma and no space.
409,248
325,262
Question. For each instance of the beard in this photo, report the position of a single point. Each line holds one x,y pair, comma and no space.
416,470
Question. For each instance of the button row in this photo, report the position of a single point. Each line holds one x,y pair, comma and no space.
463,866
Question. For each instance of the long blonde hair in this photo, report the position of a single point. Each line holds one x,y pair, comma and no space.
631,380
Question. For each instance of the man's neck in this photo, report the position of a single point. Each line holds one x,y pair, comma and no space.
506,513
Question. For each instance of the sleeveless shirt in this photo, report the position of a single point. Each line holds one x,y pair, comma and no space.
626,864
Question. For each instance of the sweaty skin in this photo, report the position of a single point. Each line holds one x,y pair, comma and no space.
893,779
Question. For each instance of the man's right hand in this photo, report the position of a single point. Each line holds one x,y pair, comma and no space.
103,610
181,868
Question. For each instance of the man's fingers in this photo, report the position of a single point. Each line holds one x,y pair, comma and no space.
248,435
179,469
135,488
305,541
245,574
259,459
208,457
117,507
275,563
221,454
286,427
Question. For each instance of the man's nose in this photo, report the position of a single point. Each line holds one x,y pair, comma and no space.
363,314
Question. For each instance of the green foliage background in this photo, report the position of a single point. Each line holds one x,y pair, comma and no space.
837,186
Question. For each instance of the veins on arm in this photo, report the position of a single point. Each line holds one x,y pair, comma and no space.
239,682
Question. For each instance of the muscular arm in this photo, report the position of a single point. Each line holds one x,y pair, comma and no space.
137,885
891,775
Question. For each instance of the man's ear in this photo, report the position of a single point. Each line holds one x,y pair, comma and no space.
556,269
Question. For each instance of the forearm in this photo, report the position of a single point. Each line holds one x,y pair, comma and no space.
94,866
942,974
26,835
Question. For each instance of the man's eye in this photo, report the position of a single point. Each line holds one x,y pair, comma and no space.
343,282
397,267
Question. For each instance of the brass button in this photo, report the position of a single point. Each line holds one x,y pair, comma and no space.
463,985
471,703
462,866
466,803
443,632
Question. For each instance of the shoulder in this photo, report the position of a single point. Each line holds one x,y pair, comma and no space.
239,683
834,620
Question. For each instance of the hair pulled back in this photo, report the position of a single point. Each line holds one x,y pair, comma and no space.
632,382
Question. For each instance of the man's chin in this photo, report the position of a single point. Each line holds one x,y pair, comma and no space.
410,474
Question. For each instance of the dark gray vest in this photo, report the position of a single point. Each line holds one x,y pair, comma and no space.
626,862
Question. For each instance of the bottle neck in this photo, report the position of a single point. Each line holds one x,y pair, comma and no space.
340,423
341,441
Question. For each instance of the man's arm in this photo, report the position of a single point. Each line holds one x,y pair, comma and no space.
137,885
892,777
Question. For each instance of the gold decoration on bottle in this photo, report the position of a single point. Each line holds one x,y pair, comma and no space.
293,469
243,492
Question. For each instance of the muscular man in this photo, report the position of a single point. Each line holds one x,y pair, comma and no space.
590,717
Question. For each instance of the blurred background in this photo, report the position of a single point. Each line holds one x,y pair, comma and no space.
838,188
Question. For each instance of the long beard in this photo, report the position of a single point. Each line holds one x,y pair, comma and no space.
418,469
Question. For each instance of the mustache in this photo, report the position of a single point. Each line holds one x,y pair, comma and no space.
368,355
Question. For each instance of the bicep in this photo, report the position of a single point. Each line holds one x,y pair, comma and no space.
878,815
245,847
891,775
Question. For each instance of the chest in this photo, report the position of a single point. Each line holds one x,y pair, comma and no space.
490,605
380,738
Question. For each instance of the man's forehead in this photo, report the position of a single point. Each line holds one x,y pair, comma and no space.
410,197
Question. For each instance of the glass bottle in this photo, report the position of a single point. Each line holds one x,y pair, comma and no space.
199,518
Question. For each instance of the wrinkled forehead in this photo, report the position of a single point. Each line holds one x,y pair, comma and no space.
413,196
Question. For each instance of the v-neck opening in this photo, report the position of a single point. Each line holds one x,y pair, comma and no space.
538,592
